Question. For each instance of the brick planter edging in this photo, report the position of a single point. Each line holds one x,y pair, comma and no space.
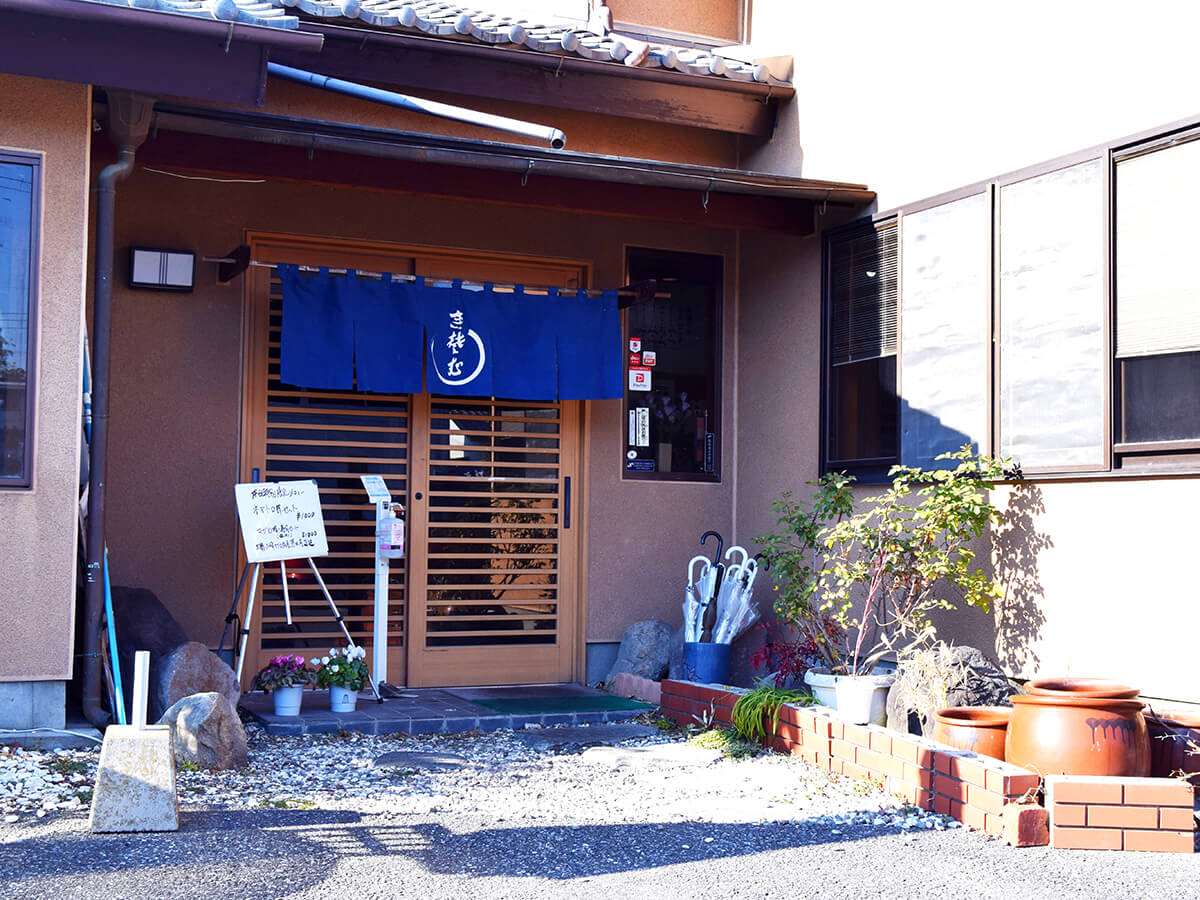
976,790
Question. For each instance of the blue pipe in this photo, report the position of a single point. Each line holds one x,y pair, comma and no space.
112,645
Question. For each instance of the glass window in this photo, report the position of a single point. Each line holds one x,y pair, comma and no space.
19,192
671,400
1158,302
861,407
1053,313
945,349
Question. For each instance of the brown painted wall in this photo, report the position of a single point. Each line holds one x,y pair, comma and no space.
37,553
713,18
176,390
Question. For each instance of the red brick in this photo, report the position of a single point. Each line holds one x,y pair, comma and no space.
913,794
889,766
788,732
1010,785
778,743
943,762
994,825
949,787
684,689
972,771
836,729
824,761
843,750
881,741
1160,841
973,817
1122,816
947,807
1025,825
850,770
1176,819
869,760
723,715
1168,792
1071,814
857,735
918,775
819,726
835,765
1085,789
986,800
1085,838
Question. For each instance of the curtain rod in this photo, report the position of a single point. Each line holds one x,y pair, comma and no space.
630,294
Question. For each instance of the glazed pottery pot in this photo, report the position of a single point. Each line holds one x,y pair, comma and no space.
287,700
342,699
1081,687
1170,732
978,728
1054,735
862,699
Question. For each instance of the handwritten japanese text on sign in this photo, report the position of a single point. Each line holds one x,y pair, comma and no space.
281,520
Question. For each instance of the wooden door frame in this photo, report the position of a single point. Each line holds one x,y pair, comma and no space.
575,429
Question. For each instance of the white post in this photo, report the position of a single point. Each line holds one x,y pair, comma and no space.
141,687
379,633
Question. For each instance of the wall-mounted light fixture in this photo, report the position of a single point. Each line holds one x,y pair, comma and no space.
161,270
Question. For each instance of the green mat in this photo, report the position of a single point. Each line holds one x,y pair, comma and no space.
531,706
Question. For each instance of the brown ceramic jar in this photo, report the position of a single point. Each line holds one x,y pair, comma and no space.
1170,733
1078,736
978,728
1080,687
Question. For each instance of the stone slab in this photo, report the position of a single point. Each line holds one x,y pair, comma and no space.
415,759
653,756
135,781
582,735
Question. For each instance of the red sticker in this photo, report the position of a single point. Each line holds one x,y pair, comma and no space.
635,345
635,359
648,357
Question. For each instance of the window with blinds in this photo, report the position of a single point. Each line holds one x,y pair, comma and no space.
863,314
1158,300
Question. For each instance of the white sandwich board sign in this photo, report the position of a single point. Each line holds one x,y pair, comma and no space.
281,520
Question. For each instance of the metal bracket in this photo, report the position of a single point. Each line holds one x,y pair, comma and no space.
528,169
824,203
229,37
704,199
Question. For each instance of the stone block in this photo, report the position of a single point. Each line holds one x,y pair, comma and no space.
1026,825
207,732
135,781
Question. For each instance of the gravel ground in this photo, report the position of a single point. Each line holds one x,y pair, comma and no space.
652,817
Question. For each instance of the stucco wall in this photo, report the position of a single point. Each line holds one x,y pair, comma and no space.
176,389
931,99
37,553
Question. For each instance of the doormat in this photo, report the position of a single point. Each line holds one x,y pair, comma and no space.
531,706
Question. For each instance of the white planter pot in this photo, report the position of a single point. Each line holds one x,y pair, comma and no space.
823,684
287,700
862,699
342,699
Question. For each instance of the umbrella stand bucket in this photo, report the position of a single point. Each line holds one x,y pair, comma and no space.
706,663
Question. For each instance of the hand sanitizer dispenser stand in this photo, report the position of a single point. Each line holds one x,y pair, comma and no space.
389,545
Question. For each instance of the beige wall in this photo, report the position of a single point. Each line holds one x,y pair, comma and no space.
37,553
712,18
176,390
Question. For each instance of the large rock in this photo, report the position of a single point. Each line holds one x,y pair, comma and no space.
143,623
207,732
645,649
675,666
979,682
189,669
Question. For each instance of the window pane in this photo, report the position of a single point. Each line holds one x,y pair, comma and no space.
1159,400
672,426
945,322
1158,298
1052,314
862,400
16,235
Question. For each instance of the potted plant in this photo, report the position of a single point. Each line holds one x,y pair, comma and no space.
285,677
865,583
345,673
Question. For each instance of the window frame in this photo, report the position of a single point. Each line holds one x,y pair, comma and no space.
868,469
719,267
1120,459
35,162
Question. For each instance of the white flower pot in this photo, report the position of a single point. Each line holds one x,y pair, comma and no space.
342,699
287,700
823,682
862,699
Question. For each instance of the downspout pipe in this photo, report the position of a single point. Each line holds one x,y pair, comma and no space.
552,136
128,124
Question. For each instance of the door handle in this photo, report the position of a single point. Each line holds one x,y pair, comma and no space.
567,501
417,495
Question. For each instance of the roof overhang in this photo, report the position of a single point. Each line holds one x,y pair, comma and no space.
288,148
544,79
143,50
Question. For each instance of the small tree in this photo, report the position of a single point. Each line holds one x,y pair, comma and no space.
887,566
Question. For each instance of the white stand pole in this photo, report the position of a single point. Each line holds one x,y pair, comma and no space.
246,621
141,687
287,603
379,634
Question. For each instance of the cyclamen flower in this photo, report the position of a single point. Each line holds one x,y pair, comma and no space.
324,660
